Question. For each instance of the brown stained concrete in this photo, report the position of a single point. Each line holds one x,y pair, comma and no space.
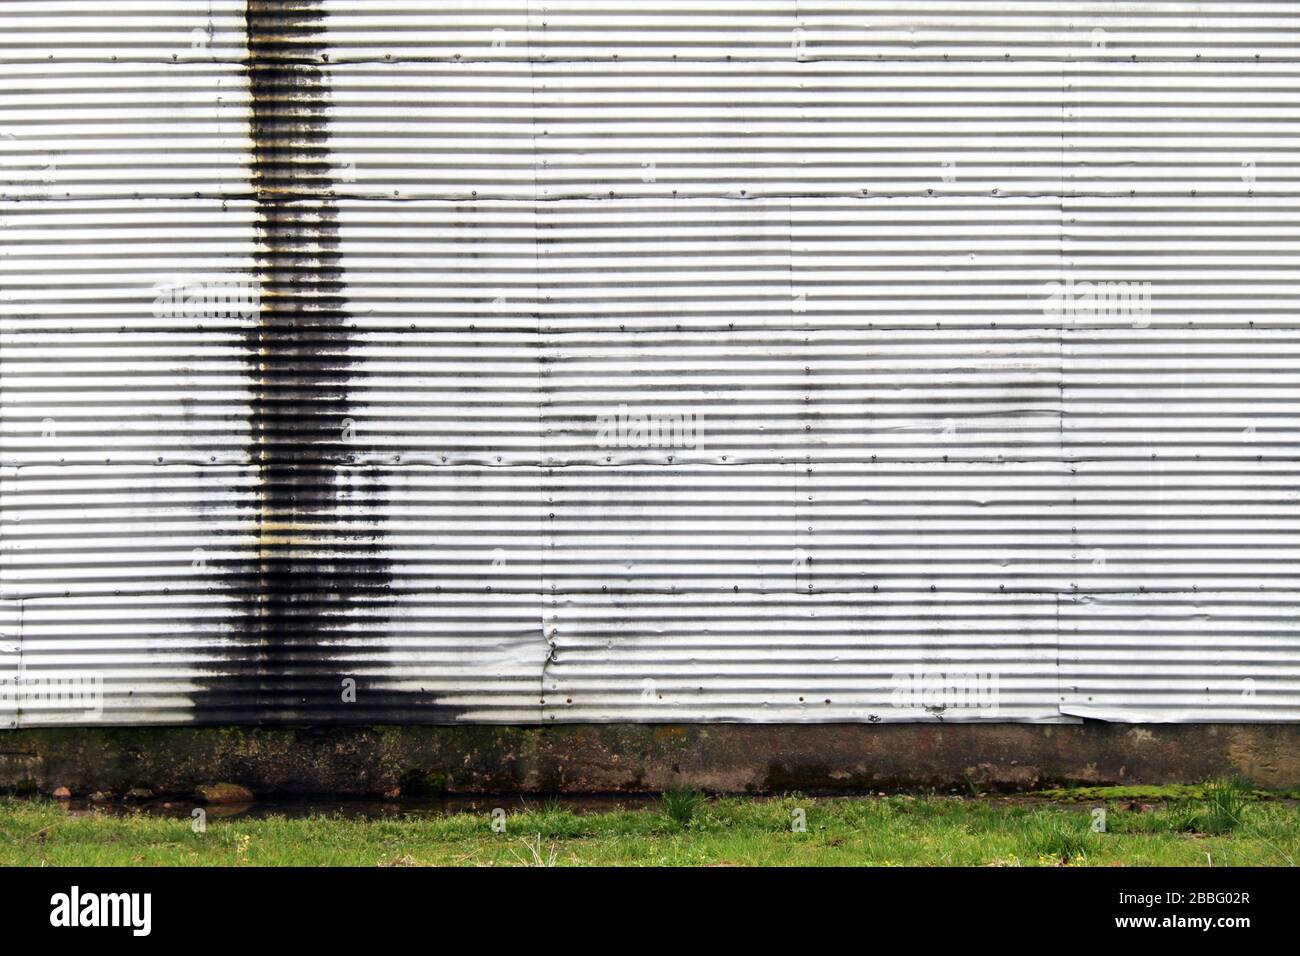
737,758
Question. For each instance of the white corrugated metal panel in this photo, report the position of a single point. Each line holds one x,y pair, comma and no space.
533,360
148,31
1178,656
123,130
9,650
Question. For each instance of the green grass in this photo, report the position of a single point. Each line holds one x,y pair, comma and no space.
1226,802
1060,837
889,831
682,805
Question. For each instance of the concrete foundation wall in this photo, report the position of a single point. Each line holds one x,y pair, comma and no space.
644,757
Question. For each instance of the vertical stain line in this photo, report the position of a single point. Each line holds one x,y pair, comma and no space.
319,572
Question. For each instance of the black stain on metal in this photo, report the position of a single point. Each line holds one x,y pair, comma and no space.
315,598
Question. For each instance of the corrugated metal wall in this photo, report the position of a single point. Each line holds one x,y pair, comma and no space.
563,360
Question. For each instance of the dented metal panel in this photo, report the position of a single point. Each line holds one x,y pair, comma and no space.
569,360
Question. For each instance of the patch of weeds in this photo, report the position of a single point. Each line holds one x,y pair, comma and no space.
1150,820
1225,804
535,854
682,803
1059,837
870,812
555,821
1219,807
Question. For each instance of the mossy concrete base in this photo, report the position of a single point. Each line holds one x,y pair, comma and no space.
423,760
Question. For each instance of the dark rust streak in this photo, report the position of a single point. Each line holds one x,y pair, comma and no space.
319,571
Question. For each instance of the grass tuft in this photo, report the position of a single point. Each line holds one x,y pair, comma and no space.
535,854
1059,836
1226,801
681,805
